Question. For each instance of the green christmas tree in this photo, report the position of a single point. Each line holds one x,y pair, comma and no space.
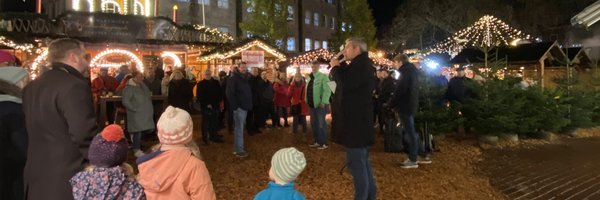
268,21
356,21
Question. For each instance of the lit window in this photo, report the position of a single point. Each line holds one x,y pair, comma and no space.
332,23
343,26
316,19
291,44
110,7
223,3
279,43
205,2
325,45
307,44
290,16
223,29
307,17
317,44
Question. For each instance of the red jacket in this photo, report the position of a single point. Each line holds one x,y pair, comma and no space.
282,97
297,94
108,84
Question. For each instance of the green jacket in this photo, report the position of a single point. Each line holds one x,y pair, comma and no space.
321,90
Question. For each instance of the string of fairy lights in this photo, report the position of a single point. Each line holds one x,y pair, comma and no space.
220,56
488,31
311,56
214,31
29,48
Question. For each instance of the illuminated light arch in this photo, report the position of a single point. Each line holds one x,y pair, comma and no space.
77,5
147,7
138,63
138,8
103,5
172,56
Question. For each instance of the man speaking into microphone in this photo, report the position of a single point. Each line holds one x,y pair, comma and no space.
352,122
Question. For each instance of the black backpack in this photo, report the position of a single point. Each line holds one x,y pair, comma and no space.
394,138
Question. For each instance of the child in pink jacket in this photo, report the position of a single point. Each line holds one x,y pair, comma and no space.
175,170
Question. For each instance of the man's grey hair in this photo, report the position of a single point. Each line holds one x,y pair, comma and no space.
358,41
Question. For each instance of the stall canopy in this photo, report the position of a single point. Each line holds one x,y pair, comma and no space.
236,51
321,55
532,53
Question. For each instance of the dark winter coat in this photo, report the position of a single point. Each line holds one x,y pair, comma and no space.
238,92
405,99
60,123
13,142
256,90
457,89
353,102
386,89
180,94
209,92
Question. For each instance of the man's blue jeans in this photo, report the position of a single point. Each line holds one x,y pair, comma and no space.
357,161
318,124
414,145
239,120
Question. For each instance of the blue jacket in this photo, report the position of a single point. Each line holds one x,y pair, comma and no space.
279,192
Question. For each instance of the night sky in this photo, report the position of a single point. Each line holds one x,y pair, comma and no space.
384,11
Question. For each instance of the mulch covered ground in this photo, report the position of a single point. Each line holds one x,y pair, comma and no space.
453,174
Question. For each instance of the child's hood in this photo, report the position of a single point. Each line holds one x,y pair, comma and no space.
158,171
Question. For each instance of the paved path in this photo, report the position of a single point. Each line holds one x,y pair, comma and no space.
570,170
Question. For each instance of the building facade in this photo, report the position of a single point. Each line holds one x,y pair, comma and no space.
311,23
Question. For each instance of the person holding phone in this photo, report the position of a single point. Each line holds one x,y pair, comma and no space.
353,122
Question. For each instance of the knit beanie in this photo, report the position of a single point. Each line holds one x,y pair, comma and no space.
287,164
109,148
175,126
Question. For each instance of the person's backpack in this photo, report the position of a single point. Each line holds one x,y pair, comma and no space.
393,137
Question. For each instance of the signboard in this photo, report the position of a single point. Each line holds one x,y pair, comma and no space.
105,27
254,58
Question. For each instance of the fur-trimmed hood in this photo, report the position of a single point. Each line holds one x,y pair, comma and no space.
10,92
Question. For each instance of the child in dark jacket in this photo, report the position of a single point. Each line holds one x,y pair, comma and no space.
286,165
108,176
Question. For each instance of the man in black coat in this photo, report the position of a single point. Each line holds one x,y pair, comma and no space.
239,96
384,93
457,87
353,121
61,122
209,94
253,115
405,101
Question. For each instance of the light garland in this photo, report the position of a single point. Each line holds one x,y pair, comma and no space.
488,31
29,48
36,64
214,31
139,64
310,56
229,54
378,59
173,56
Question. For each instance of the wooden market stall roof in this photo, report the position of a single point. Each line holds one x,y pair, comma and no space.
531,53
322,55
235,51
578,56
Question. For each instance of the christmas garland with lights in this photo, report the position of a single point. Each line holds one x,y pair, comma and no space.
488,31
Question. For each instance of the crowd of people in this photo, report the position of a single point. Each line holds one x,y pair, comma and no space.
54,150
